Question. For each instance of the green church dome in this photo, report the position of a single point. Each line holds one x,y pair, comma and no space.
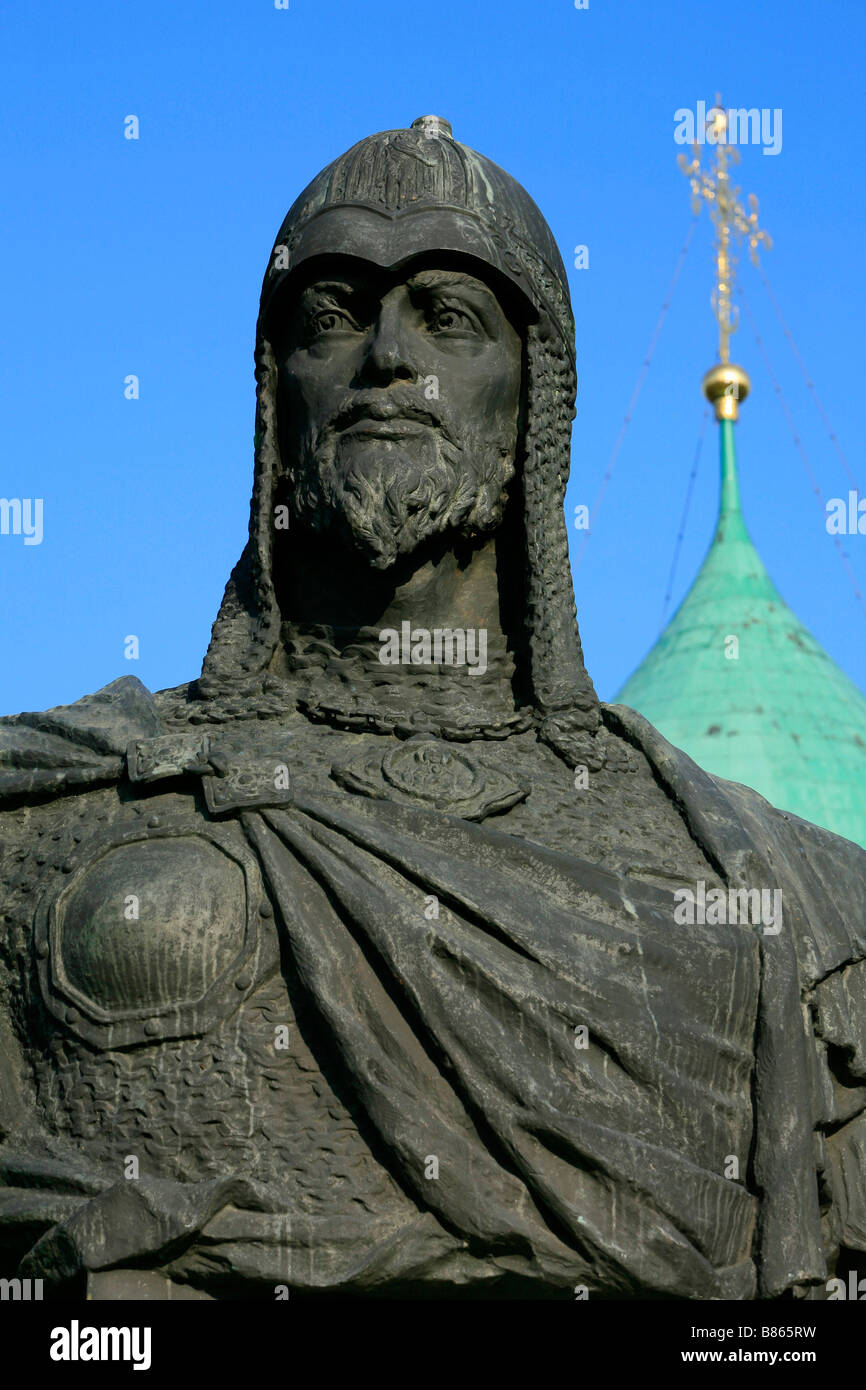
742,686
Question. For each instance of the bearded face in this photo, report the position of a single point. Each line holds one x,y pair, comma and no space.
398,408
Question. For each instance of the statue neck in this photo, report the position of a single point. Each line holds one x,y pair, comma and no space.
323,583
421,645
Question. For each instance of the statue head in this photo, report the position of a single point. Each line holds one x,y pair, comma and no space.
398,398
415,371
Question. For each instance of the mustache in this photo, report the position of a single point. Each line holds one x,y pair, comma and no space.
391,405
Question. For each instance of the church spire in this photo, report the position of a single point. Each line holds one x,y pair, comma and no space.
735,679
725,384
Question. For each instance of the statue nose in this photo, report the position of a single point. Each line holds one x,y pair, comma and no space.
388,356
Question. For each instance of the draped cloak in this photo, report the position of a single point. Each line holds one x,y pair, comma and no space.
601,1166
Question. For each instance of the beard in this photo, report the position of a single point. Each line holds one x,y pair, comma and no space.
386,496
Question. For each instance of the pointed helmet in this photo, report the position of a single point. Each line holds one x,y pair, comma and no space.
392,197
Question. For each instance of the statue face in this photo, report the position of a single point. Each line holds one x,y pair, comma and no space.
398,405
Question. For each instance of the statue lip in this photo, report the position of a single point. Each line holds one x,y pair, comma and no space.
396,428
385,420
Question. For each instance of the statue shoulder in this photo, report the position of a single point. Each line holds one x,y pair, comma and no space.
822,875
74,746
803,836
839,864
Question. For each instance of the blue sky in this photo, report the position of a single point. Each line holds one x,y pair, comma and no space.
145,257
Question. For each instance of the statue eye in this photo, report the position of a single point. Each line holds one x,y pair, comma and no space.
327,321
448,320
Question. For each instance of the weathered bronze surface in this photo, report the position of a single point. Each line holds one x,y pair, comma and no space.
361,964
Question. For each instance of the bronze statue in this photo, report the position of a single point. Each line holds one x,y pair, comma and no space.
383,958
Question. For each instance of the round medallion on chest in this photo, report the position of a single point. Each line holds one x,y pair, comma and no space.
153,936
153,923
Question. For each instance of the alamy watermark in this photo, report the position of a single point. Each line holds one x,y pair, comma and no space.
422,646
21,1290
741,126
716,906
846,516
855,1290
22,516
77,1343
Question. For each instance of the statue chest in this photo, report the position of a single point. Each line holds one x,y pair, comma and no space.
174,1029
247,1097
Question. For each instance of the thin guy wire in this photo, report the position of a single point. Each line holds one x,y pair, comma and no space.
802,452
637,390
809,382
682,531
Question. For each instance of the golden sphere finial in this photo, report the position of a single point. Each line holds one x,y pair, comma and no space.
726,385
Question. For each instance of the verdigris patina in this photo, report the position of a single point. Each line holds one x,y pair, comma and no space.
383,958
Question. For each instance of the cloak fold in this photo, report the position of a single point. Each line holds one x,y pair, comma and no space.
414,934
